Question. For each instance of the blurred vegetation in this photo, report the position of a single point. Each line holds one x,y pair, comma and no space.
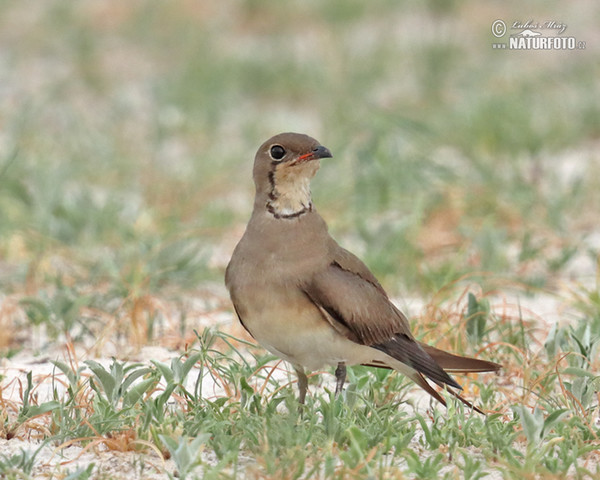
132,128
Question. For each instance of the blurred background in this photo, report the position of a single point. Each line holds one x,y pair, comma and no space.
128,132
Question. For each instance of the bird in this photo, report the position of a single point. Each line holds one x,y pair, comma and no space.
311,302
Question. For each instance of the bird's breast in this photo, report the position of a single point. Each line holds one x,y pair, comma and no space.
274,258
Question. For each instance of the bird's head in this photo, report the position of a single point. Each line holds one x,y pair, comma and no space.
283,168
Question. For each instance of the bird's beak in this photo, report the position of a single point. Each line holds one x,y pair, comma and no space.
321,152
316,153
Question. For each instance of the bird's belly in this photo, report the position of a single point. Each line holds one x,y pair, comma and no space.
300,335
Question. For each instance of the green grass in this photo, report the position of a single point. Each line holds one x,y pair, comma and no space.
369,432
461,174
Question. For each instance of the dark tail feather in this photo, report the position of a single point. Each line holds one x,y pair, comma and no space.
456,395
457,364
410,352
433,363
422,382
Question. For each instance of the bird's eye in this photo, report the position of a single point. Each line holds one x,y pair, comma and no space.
277,152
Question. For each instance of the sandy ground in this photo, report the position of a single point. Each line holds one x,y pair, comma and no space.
54,460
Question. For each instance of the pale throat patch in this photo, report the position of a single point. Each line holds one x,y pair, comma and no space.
290,194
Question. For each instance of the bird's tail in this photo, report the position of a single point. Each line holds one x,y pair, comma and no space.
423,363
452,364
422,382
457,364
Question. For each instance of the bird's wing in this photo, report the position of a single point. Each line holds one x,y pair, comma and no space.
355,304
351,263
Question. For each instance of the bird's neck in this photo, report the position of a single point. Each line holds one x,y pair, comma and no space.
290,195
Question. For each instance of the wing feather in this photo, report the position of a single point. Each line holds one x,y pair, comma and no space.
356,305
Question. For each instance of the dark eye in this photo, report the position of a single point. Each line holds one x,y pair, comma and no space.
277,152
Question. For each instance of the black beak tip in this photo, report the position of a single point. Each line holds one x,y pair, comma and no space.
322,152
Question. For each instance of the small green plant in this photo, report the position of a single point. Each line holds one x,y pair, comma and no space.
423,467
472,467
176,374
20,465
83,473
476,316
535,426
116,386
59,310
186,454
27,413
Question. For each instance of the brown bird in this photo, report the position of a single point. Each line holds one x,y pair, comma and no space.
308,300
